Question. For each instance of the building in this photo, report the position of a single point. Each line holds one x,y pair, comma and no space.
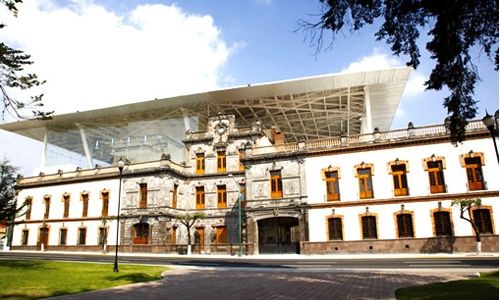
302,166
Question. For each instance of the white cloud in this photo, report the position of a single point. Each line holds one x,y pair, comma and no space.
415,86
92,57
375,61
379,60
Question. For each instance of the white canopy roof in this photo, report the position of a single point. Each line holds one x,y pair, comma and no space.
305,108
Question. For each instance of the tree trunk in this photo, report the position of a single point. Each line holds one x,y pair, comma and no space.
478,247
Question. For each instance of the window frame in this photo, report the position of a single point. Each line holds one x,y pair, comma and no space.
25,237
221,161
200,197
46,200
411,224
143,195
481,226
105,203
85,204
221,234
366,181
221,196
200,163
174,195
276,184
474,173
66,202
438,232
365,235
399,177
63,238
143,238
29,206
340,229
82,240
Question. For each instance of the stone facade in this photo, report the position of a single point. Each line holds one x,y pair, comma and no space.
286,194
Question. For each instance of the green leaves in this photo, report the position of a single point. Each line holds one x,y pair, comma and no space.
455,28
13,76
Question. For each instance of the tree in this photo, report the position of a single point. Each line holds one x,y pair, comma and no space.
8,194
13,75
188,220
466,205
455,28
8,191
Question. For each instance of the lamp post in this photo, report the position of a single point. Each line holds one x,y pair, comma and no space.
121,164
239,215
489,122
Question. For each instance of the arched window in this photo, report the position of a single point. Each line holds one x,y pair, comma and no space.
335,229
442,223
405,225
482,219
141,233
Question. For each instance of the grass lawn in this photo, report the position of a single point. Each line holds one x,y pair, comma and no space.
483,287
32,279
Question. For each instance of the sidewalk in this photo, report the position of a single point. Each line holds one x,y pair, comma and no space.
220,284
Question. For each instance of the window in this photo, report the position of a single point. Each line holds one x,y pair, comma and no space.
365,183
24,240
221,196
29,204
82,236
221,161
221,235
47,207
369,227
66,206
241,155
399,178
405,225
143,194
335,229
436,177
276,184
200,197
482,219
200,163
474,173
141,233
174,236
85,205
105,204
103,236
442,223
332,185
63,233
174,196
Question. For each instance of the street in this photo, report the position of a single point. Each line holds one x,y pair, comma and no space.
352,262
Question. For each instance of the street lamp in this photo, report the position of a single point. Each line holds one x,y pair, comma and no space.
239,214
489,122
121,164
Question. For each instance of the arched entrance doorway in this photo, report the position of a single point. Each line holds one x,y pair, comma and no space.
279,235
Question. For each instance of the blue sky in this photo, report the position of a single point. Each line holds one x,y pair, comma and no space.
110,52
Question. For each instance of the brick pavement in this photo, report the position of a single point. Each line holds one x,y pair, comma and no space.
222,284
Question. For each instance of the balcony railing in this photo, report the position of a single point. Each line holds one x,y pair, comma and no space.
369,138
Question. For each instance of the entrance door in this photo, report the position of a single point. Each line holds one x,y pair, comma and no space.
199,238
279,235
44,238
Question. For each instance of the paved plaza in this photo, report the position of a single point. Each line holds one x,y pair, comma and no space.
221,284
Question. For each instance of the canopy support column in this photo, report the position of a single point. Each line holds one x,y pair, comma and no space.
43,159
368,127
85,144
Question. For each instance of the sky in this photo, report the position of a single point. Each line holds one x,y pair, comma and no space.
104,53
